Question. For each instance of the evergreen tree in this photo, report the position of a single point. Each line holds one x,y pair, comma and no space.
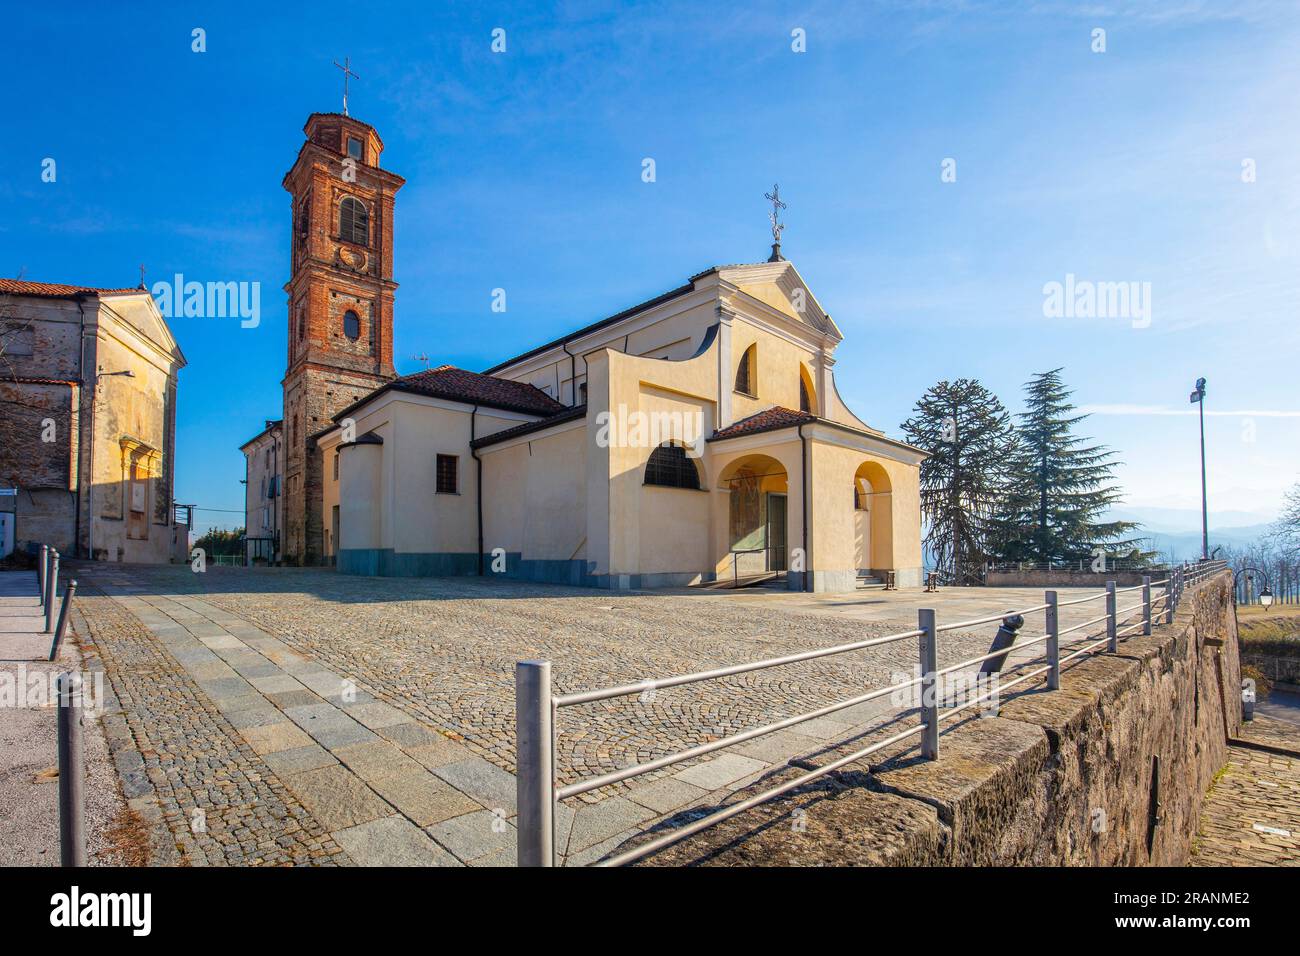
1059,485
969,436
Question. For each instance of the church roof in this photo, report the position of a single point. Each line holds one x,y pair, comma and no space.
55,290
768,420
570,414
595,326
628,313
472,388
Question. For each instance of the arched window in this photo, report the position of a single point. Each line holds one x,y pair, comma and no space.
746,372
669,467
807,394
351,325
354,221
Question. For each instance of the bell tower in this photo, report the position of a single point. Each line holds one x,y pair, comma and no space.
340,303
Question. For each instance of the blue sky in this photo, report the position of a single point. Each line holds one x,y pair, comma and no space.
524,172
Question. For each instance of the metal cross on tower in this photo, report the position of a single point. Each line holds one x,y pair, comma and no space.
346,67
775,216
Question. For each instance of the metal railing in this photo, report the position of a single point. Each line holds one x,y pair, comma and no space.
536,706
1082,564
768,553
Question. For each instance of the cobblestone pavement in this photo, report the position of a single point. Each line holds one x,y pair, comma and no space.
1251,815
430,662
217,798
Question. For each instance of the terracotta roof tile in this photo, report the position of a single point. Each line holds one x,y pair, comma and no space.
767,420
460,385
55,290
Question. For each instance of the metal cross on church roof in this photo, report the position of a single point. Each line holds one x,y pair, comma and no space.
775,216
346,67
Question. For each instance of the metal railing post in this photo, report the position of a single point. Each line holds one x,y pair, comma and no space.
534,747
52,584
40,572
72,810
1111,623
1053,642
929,658
68,592
1146,604
1169,598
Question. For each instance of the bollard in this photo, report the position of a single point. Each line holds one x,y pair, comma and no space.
68,592
1003,640
72,811
1112,632
1146,604
929,656
1053,643
40,573
535,749
52,580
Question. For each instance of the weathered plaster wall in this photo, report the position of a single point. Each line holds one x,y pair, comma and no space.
1057,778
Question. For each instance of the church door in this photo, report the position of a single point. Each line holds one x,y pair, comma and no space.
776,532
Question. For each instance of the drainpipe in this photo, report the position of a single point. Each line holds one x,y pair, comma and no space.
81,384
803,482
248,558
478,483
573,373
275,500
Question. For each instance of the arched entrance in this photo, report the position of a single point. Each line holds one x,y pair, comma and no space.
873,519
758,514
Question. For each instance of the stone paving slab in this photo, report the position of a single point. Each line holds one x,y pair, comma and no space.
392,841
336,797
472,836
424,799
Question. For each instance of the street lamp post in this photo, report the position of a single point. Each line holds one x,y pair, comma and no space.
1198,399
1265,596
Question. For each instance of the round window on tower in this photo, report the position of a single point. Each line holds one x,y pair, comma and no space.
351,325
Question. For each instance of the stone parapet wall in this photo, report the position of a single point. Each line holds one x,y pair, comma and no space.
1280,669
1064,578
1057,778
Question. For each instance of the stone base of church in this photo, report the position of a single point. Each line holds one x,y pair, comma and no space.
384,562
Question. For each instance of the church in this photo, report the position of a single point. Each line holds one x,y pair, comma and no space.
695,437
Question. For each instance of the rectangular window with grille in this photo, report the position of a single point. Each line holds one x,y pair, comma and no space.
446,475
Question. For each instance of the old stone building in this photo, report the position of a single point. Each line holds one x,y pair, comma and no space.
263,494
88,382
340,303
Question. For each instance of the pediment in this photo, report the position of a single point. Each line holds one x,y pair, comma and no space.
779,286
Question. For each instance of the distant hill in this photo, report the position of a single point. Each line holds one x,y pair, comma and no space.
1178,530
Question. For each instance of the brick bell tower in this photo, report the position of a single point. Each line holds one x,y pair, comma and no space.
340,304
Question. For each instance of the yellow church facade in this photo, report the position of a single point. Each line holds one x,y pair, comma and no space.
696,437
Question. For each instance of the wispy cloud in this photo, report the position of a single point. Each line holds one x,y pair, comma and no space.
1140,410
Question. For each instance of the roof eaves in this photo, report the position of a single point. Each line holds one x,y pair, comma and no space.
569,415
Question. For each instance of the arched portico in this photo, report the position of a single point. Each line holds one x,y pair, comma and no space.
873,518
754,532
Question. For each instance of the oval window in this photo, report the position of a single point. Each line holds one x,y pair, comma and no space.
351,325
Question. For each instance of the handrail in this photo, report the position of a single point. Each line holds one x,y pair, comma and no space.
625,690
536,706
